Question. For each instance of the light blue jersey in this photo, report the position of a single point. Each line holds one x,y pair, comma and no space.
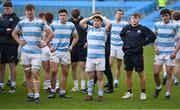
62,35
96,38
115,31
177,23
165,37
31,32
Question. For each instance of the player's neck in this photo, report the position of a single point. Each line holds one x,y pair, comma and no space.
76,19
166,22
63,22
31,18
118,20
134,25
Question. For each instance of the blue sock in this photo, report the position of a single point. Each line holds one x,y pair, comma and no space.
100,92
90,85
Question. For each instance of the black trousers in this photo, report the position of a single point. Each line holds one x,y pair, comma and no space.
107,72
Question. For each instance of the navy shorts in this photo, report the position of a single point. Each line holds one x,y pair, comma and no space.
78,54
8,53
134,61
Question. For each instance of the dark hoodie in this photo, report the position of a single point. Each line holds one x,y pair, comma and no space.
81,32
8,21
134,38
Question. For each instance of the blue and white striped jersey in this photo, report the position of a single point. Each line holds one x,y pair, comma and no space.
62,35
177,23
115,31
31,32
165,36
96,38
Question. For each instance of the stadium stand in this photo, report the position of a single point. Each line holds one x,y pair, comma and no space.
147,8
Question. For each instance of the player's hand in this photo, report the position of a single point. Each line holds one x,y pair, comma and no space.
70,48
22,42
52,49
41,44
157,51
173,55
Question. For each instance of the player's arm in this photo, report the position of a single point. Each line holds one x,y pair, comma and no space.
122,34
155,48
150,36
108,24
49,35
173,55
83,22
15,35
154,44
75,40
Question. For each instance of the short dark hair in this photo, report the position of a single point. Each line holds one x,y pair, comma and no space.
165,11
97,17
62,11
40,15
120,10
97,12
29,7
7,4
49,17
136,15
75,12
176,15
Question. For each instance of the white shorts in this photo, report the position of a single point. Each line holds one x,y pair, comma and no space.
116,51
178,55
46,53
30,59
95,64
19,51
164,59
61,57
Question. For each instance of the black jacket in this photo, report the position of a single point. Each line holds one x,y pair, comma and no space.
8,21
134,38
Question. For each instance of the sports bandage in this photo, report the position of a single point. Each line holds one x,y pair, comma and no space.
28,68
38,80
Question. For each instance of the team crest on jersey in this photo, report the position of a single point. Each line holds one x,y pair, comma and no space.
11,19
138,31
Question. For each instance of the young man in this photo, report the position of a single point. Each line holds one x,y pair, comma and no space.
8,46
134,37
63,31
107,71
96,37
79,52
45,59
31,29
176,18
116,44
48,18
165,51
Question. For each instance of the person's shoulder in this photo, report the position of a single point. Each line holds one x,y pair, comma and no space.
127,26
53,23
113,21
81,18
14,15
158,23
38,20
144,27
23,21
124,22
70,20
69,23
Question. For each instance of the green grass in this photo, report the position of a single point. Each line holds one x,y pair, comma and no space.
111,101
